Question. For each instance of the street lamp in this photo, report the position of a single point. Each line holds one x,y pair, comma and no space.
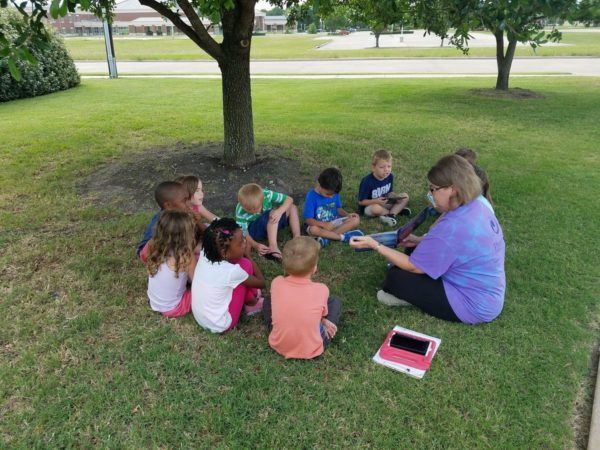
110,48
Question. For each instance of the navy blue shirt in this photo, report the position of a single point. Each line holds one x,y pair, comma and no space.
148,233
371,187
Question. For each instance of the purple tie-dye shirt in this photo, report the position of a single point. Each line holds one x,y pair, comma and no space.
466,249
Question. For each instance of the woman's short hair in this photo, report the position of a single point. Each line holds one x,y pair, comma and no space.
454,170
300,256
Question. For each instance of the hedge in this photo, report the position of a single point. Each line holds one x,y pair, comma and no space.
55,70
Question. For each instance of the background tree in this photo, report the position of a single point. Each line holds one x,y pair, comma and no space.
587,12
337,19
276,11
513,20
378,15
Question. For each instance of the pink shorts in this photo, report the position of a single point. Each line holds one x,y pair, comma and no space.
144,253
183,307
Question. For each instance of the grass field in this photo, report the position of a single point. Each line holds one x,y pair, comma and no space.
302,46
85,363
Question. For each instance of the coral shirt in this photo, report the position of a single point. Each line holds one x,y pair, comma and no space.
297,306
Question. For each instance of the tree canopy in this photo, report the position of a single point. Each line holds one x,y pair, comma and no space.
513,20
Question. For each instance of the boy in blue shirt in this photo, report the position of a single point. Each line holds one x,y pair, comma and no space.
324,216
376,196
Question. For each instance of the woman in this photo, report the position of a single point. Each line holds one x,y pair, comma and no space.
456,271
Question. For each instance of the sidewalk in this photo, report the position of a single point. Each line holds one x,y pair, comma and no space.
372,67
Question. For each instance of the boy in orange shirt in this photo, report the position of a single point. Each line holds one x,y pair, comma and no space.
300,315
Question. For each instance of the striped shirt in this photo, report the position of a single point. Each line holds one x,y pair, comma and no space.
271,199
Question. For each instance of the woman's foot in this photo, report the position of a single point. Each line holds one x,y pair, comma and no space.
390,300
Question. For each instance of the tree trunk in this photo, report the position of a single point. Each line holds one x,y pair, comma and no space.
503,60
376,40
233,56
238,149
238,127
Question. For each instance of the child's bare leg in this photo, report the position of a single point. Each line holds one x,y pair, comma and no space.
272,228
398,206
294,220
378,210
349,224
316,231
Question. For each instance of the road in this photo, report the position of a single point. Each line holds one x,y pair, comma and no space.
403,67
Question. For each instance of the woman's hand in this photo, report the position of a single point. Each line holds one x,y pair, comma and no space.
363,242
411,241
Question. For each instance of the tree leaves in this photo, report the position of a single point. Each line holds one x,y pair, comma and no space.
54,9
13,69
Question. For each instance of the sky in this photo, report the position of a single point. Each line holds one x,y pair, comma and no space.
263,5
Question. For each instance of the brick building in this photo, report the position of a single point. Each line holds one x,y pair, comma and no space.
131,18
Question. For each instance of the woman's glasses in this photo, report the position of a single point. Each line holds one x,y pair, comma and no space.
434,189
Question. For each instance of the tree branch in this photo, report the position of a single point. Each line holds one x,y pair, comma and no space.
202,40
210,46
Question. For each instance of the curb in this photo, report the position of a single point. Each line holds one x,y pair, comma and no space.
594,438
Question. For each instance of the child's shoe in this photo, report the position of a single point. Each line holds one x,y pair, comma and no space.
388,220
257,308
405,212
390,300
350,234
323,242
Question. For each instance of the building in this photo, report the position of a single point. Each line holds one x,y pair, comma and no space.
132,19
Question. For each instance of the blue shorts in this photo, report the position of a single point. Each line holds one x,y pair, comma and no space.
258,229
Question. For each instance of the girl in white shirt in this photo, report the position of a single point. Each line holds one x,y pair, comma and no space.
224,279
171,263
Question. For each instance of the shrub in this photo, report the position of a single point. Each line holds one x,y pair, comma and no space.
55,70
312,29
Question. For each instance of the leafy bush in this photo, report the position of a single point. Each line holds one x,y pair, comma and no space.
54,71
312,29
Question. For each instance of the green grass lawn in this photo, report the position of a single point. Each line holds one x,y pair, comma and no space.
85,363
303,46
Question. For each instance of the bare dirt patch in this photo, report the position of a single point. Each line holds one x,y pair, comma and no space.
129,183
512,94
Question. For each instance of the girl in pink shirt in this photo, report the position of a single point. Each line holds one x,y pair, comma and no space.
194,187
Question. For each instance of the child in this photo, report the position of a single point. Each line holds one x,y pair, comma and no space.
471,156
301,317
194,187
171,264
168,195
375,194
324,216
262,213
224,280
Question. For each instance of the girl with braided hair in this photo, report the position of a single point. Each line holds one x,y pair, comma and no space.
224,280
171,263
